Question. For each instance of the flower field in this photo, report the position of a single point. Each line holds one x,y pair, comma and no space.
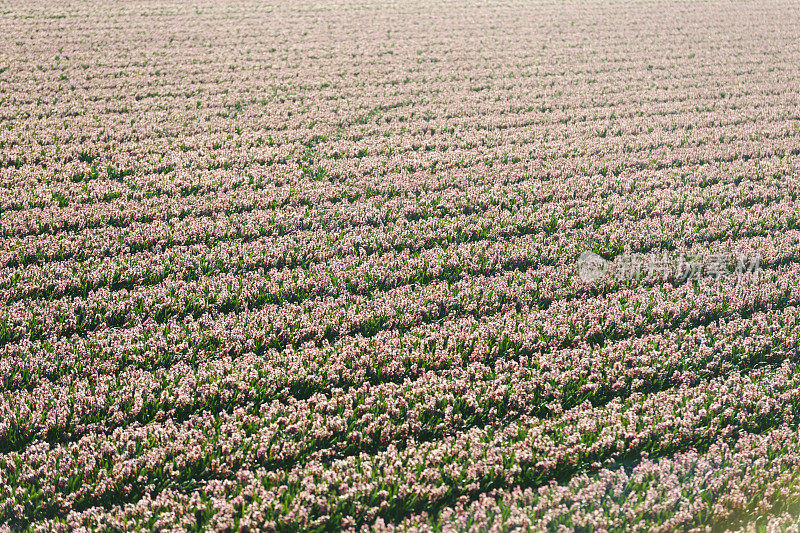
314,265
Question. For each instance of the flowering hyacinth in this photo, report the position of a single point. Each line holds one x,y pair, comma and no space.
317,265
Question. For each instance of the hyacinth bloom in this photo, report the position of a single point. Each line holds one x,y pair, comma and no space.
400,266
